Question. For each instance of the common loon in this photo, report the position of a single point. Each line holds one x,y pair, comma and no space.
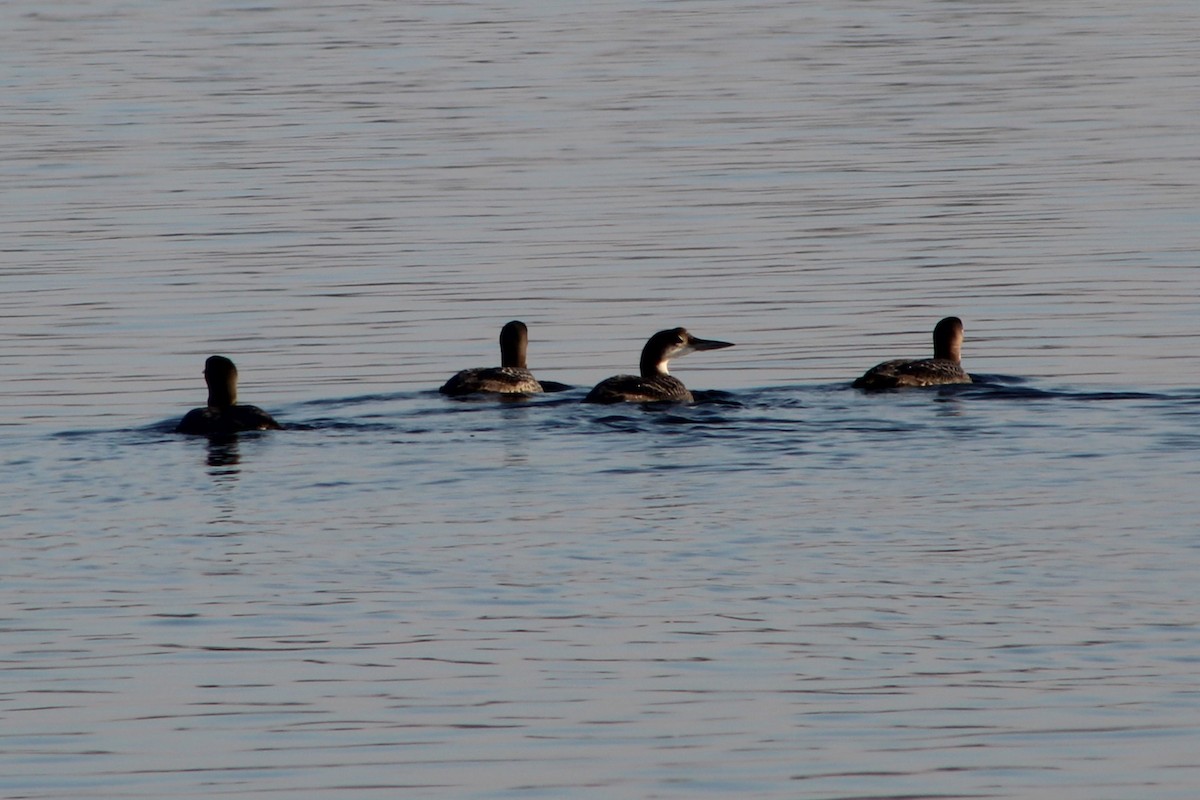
223,416
655,384
945,366
511,377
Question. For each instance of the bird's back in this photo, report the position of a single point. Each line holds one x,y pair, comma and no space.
919,372
635,389
498,380
212,421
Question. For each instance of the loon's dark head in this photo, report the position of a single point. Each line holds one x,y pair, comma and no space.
665,345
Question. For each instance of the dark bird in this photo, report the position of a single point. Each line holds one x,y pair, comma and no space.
223,416
945,367
654,384
511,377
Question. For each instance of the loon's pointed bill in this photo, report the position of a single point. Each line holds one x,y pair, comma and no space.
655,384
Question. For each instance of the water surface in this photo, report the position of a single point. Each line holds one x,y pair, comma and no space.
790,589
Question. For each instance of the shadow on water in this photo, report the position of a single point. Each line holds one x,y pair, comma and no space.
223,455
1013,388
772,406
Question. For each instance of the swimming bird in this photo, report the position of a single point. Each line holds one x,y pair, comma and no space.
655,384
223,416
511,377
945,367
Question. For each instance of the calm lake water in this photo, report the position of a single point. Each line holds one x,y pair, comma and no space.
787,590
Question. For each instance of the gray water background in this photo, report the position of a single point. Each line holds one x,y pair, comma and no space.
788,590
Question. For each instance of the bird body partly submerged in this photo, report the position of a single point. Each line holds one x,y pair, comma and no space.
636,389
512,377
223,416
922,372
210,421
497,380
655,384
943,369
